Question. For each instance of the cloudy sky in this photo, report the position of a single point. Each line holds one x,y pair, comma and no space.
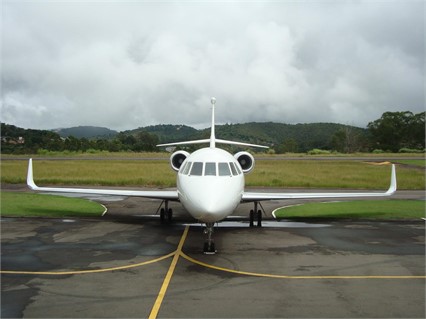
124,65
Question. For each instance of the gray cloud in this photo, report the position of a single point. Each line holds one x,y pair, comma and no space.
125,65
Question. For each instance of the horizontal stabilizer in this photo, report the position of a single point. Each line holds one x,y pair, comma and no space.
206,141
185,143
239,143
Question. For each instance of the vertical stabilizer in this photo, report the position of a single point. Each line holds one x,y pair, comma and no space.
212,135
213,139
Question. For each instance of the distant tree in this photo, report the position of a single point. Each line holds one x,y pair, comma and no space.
145,142
126,139
396,130
72,144
348,140
289,145
84,144
101,144
115,146
417,131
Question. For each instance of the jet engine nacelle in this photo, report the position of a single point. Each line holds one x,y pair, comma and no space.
246,161
177,159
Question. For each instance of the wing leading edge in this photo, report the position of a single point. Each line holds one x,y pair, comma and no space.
256,196
164,195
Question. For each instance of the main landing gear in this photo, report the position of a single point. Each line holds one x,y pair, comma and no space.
256,214
166,213
209,248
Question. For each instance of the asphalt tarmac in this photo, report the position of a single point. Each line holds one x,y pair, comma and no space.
134,267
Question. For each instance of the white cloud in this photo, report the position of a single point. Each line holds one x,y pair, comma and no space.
124,65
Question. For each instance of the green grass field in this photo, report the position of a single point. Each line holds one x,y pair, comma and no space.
267,173
420,163
380,209
14,204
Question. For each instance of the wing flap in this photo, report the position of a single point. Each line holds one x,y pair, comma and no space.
257,196
164,195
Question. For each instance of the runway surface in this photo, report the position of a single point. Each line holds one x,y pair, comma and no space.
134,268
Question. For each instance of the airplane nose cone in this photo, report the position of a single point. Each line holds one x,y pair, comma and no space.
214,208
211,204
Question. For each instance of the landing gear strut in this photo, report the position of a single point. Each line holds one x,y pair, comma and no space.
209,247
256,214
166,213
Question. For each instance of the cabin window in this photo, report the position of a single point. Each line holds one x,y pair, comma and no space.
224,169
185,170
233,169
197,169
210,169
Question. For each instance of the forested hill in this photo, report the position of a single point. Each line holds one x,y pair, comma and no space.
280,137
167,133
86,131
394,131
298,137
306,136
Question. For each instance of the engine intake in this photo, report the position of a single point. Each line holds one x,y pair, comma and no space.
177,159
246,161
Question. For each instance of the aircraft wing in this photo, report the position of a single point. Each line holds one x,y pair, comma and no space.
258,196
163,195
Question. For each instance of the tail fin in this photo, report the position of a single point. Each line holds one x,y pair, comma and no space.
212,132
212,141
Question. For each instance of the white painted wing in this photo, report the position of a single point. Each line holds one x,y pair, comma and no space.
164,195
254,197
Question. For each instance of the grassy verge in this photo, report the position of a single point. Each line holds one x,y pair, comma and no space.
97,172
420,162
32,205
157,173
332,174
83,155
381,209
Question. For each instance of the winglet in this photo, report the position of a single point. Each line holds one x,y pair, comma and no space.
30,179
393,185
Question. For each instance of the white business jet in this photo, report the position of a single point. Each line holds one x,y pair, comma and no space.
210,184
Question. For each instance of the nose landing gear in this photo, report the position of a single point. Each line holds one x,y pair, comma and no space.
209,247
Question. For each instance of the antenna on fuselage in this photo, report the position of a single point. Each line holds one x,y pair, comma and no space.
212,135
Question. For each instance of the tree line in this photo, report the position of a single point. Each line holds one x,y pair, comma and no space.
393,132
16,140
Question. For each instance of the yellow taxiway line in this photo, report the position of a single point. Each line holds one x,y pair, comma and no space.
88,271
179,253
166,282
254,274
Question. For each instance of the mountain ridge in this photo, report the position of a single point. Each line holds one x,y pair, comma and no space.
282,137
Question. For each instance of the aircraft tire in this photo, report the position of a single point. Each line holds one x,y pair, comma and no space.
169,215
252,218
259,218
162,215
209,248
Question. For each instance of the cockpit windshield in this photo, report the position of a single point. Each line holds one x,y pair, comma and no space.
210,169
224,169
197,169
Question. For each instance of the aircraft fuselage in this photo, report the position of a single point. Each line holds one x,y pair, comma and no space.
210,184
